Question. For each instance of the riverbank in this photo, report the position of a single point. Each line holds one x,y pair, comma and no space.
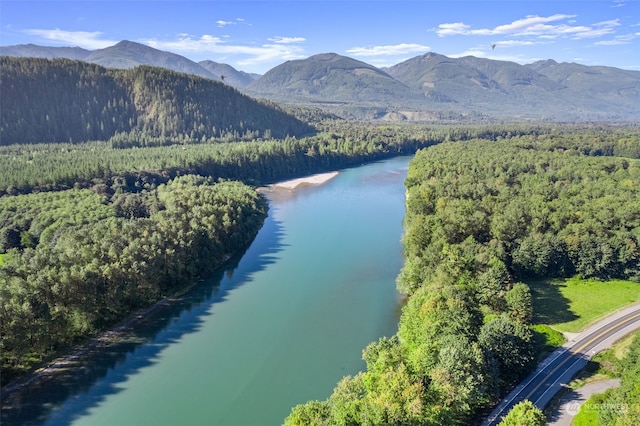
60,364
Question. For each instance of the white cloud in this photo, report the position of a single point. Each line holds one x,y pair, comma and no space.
85,39
208,46
287,40
613,42
270,53
515,43
477,52
221,23
599,29
548,27
389,50
533,25
617,40
455,28
186,43
480,53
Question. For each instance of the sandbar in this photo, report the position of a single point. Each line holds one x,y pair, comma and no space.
317,179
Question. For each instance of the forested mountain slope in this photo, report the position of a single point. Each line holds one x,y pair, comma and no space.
545,89
593,84
49,52
129,54
228,74
71,101
332,78
125,54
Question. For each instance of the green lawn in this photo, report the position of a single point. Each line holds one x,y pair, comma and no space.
572,304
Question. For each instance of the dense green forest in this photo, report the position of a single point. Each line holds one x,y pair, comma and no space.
338,144
482,215
61,100
77,262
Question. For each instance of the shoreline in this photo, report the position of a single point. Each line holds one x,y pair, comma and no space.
66,359
56,365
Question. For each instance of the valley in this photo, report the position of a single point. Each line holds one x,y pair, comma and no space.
344,244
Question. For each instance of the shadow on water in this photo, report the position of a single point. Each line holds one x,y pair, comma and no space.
103,368
549,304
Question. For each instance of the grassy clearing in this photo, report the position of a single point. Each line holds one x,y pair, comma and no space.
570,305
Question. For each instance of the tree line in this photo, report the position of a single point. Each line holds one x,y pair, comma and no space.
482,215
337,144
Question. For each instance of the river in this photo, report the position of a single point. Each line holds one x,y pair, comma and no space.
281,325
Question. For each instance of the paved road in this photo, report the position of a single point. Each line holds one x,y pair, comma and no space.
565,362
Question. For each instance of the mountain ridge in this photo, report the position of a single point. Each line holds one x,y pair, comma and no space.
125,55
422,86
329,77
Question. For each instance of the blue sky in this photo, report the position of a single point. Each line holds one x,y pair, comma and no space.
255,36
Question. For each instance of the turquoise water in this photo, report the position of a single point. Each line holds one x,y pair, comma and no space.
281,326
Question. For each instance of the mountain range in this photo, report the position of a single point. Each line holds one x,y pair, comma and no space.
128,54
414,89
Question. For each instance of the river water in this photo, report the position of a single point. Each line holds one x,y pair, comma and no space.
282,325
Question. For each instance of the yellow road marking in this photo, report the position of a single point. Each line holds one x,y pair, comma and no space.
630,319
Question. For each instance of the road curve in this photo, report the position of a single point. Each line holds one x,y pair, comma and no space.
559,368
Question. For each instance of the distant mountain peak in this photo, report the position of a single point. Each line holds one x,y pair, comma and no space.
545,62
228,74
324,56
126,43
130,54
